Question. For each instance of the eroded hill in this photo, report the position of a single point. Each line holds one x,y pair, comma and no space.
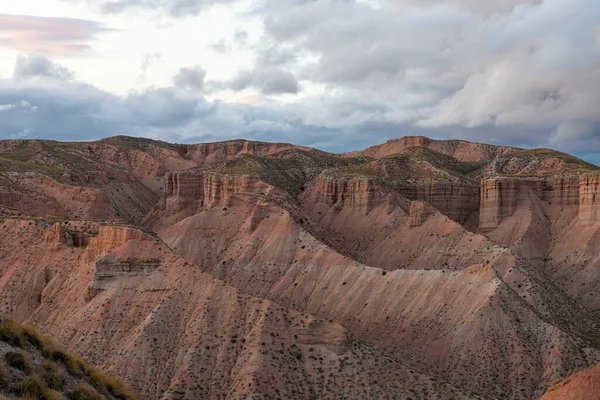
414,269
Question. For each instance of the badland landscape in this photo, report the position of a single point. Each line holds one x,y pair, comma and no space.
417,268
299,199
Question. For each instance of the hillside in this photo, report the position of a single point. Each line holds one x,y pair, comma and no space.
255,270
581,385
34,367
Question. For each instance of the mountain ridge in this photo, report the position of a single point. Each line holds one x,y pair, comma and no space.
281,267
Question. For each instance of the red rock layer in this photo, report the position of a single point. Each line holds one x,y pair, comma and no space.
457,200
193,191
419,212
589,198
501,196
584,385
362,194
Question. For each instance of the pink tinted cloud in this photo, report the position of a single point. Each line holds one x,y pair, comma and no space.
53,36
250,99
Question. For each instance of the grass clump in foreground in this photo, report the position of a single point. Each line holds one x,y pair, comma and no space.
43,370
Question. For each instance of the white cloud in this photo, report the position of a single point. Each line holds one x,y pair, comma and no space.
22,105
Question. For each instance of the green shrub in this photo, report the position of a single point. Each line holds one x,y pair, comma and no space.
18,360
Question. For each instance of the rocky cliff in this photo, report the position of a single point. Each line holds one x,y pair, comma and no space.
197,190
589,198
419,212
361,194
456,200
500,196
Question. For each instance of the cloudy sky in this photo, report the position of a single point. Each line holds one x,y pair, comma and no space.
334,74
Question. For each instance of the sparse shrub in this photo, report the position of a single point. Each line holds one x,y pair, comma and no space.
107,384
32,386
11,332
52,376
32,335
75,365
18,360
3,376
84,392
52,395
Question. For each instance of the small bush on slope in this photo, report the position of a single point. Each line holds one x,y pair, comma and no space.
35,367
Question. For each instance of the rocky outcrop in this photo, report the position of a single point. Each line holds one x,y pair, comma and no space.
362,194
56,236
456,200
112,237
581,385
419,212
589,198
204,190
109,266
499,199
563,191
500,196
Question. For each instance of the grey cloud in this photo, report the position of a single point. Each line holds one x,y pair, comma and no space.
190,78
67,110
269,80
488,7
443,65
39,66
270,75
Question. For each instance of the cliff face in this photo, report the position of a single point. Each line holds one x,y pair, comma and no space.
110,238
419,212
589,198
500,196
456,200
205,190
499,199
362,194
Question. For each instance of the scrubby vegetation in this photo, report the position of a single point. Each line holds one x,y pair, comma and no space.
35,367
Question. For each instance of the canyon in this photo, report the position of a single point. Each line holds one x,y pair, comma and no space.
417,268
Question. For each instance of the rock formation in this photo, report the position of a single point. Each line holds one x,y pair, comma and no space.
417,268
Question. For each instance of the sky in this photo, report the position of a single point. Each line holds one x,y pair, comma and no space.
339,75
